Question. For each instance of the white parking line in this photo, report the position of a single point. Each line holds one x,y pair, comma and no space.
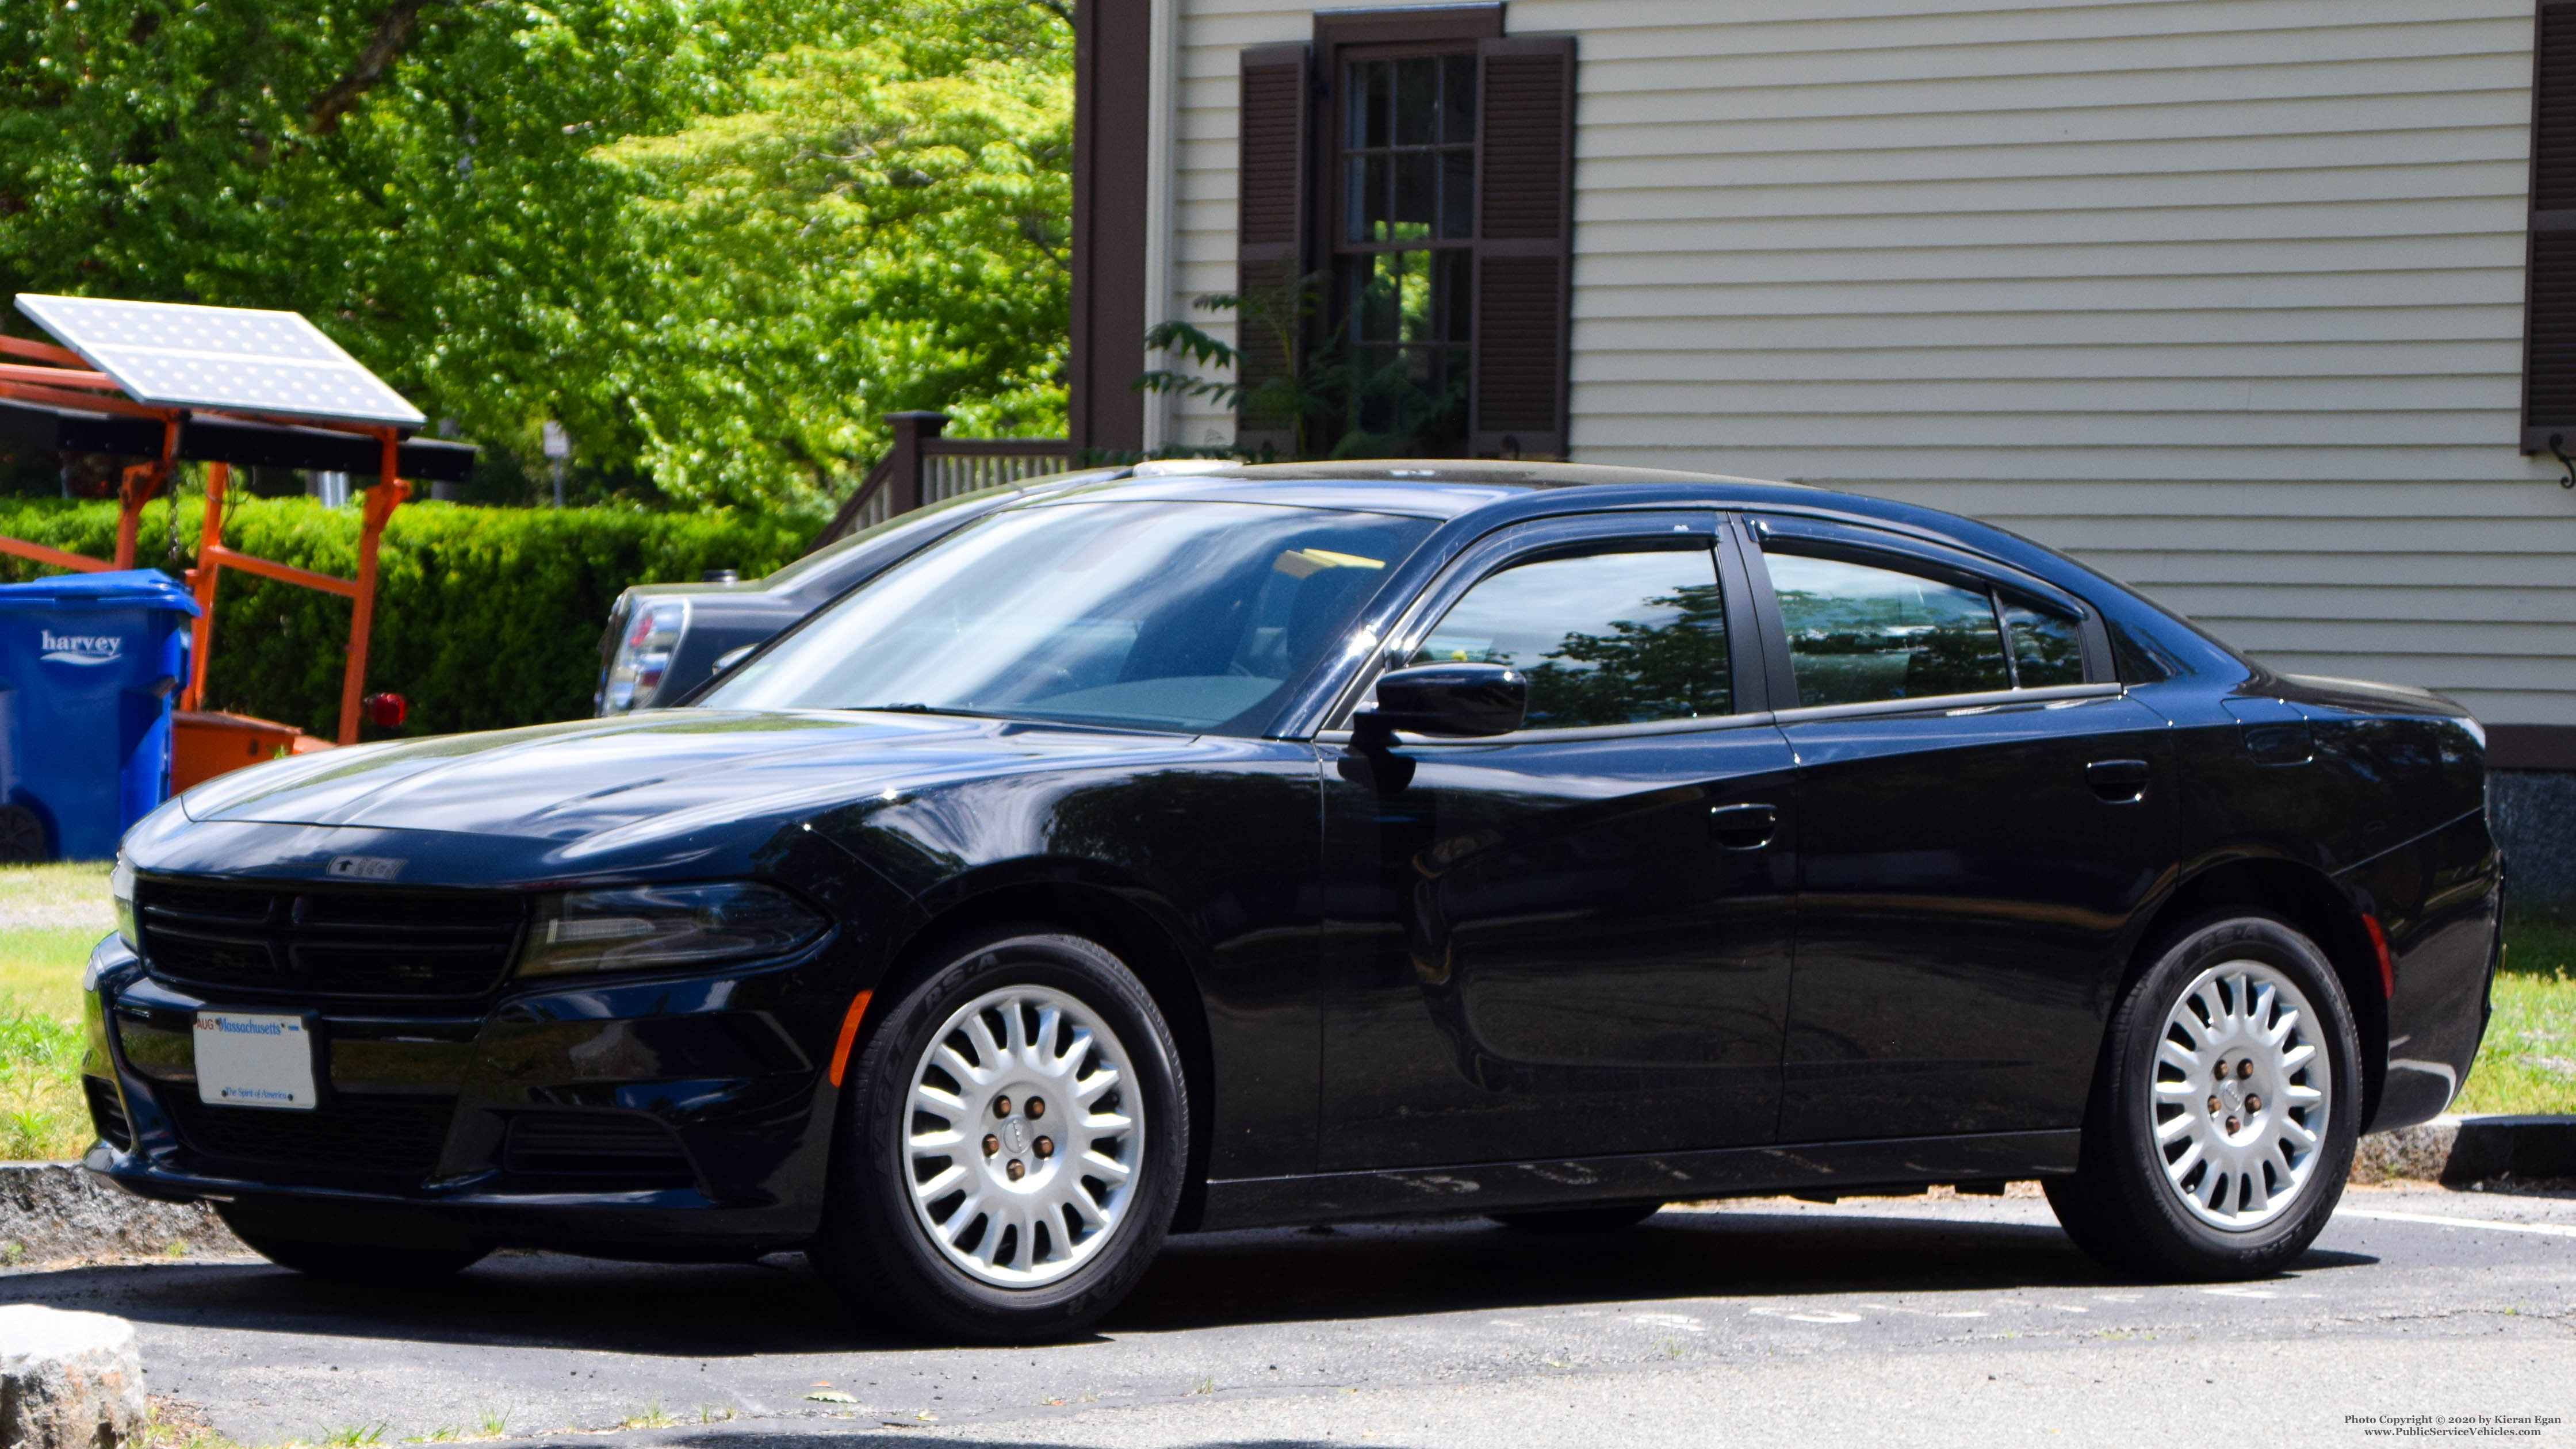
2547,1230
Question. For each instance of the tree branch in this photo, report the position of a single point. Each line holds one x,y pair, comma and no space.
1060,9
393,32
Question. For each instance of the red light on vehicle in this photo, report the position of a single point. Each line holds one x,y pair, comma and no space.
2379,945
385,711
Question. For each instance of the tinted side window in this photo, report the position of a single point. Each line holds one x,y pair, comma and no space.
1611,637
1858,633
2046,647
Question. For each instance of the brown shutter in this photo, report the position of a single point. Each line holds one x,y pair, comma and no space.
2549,321
1525,245
1270,227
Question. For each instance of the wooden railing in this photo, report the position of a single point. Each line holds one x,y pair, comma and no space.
922,467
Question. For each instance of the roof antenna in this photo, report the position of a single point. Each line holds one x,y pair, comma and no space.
2560,454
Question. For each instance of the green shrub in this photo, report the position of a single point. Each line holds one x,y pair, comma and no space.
485,617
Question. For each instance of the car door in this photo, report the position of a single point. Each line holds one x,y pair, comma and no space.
1573,939
1982,815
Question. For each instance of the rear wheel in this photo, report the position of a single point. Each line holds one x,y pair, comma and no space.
2223,1117
318,1246
1614,1218
1013,1145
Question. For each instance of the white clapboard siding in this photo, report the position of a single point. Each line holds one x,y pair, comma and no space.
2223,297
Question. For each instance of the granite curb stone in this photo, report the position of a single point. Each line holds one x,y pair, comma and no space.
67,1380
53,1212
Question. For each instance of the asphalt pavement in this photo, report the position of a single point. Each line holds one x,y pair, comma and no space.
2419,1314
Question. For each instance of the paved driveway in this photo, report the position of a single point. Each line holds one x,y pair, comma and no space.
1898,1321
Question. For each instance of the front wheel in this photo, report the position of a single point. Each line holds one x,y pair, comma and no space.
1012,1151
2224,1114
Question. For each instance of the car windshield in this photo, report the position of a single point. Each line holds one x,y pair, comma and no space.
1160,615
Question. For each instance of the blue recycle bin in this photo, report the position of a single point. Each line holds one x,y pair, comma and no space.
89,664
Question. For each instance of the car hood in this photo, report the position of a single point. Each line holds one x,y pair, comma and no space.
658,774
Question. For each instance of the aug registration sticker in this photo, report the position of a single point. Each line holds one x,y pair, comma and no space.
254,1061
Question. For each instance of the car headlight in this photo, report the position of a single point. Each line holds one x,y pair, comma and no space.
643,654
120,885
643,928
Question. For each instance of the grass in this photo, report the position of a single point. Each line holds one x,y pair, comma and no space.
2529,1062
51,915
651,1416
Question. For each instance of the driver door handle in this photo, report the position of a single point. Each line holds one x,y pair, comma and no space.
2117,782
1742,827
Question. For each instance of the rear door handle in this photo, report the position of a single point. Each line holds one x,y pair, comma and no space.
1742,827
2118,782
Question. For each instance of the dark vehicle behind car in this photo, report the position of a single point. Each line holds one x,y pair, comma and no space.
665,640
1291,844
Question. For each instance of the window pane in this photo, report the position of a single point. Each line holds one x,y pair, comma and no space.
1452,274
1374,294
2046,647
1458,194
1417,183
1605,638
1858,633
1370,84
1417,101
1165,615
1365,205
1413,297
1458,99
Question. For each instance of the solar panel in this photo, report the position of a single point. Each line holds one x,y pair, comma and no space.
220,357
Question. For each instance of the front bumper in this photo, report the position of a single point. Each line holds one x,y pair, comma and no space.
660,1118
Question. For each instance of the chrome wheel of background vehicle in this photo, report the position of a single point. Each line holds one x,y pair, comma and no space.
1022,1152
2241,1096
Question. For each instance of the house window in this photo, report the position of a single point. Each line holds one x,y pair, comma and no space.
1404,264
1404,236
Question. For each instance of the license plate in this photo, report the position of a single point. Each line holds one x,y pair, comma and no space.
254,1061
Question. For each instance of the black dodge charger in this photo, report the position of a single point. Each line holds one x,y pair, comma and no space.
1284,844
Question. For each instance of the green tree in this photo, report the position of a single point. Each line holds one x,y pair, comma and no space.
440,185
883,228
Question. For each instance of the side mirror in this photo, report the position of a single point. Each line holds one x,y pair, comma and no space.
1449,699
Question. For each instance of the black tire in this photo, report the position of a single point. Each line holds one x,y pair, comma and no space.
1613,1218
2122,1206
22,837
326,1250
877,1245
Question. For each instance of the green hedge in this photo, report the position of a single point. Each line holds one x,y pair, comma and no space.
485,617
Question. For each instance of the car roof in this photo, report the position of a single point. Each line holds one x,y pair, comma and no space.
1427,487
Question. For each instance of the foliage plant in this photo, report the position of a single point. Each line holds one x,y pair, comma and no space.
486,618
1333,399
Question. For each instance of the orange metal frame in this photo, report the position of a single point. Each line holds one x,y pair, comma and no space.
68,382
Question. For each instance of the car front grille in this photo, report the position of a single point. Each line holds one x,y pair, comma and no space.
367,1136
329,942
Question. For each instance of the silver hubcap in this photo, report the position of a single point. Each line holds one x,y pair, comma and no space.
1023,1140
2241,1096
